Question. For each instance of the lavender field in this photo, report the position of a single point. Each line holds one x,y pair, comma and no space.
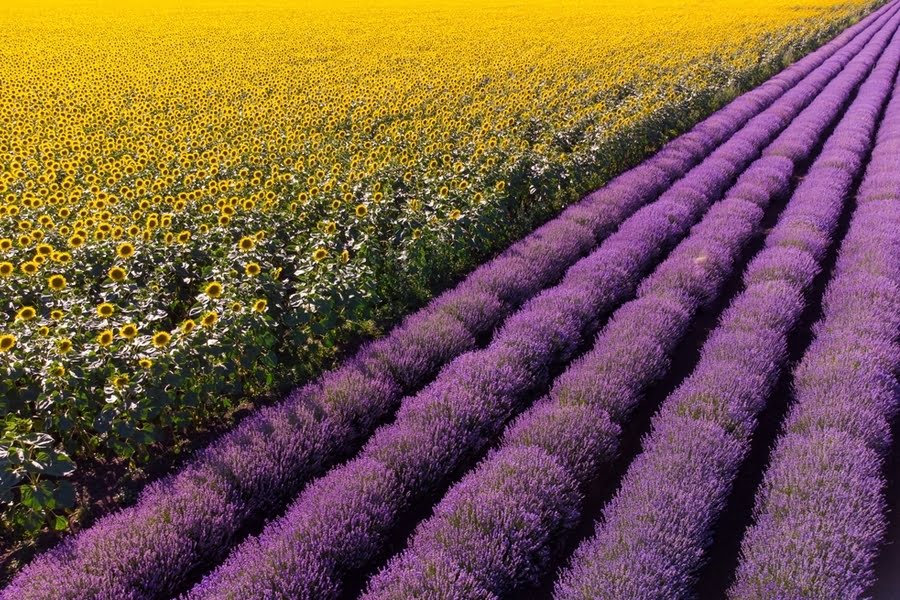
684,385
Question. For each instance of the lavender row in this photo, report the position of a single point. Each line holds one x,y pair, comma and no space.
823,542
656,530
190,519
342,522
500,527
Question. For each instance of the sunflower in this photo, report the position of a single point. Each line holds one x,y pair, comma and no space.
319,254
7,342
105,338
260,305
187,326
6,269
362,210
57,371
120,381
246,243
161,339
26,313
213,289
210,318
345,256
57,282
63,345
455,214
76,241
128,331
145,363
117,274
30,267
56,314
252,269
106,310
125,250
6,244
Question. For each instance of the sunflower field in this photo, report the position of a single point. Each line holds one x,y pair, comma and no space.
206,201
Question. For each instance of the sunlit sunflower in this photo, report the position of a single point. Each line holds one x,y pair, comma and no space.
105,337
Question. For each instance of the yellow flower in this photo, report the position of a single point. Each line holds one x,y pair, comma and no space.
117,274
260,305
246,243
252,269
187,326
44,331
56,314
128,331
76,241
345,256
7,342
416,234
209,319
6,269
120,381
57,371
106,310
63,345
26,313
213,289
57,282
161,339
145,363
29,268
125,250
455,214
319,254
362,210
235,306
6,244
105,338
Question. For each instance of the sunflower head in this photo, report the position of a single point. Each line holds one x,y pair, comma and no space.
210,318
362,210
187,326
246,243
145,363
128,331
117,274
106,310
125,250
260,305
105,338
64,345
6,269
7,342
213,289
319,254
57,283
161,339
26,313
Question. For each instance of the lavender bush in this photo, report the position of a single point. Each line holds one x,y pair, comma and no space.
820,512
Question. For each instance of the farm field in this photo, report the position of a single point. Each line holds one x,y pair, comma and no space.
682,385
